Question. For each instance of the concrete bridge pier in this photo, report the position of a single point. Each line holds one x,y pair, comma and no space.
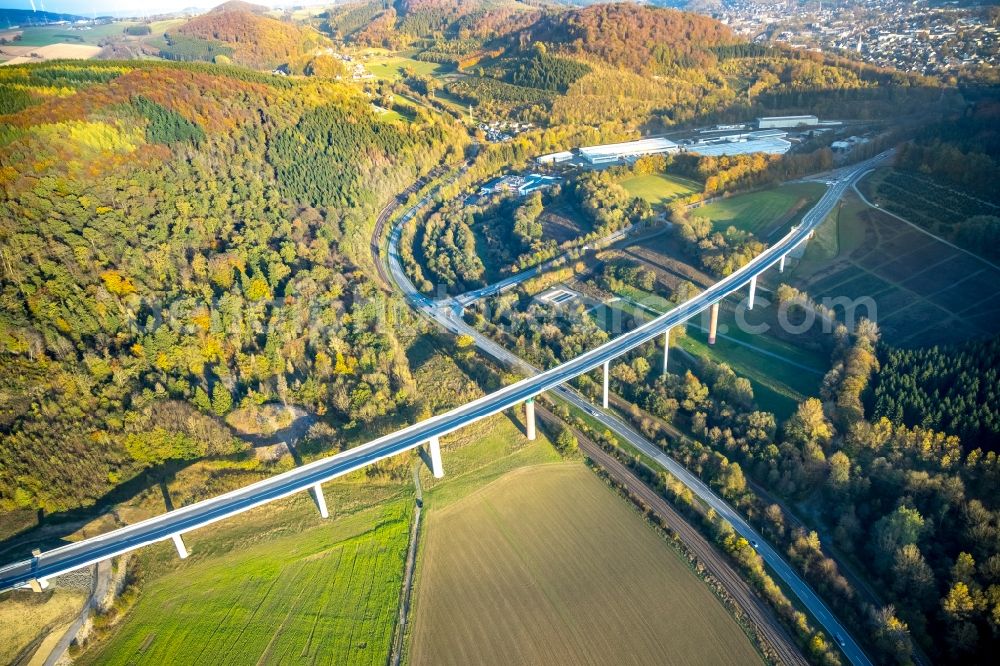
38,584
666,349
320,500
435,450
753,290
606,368
781,264
713,325
182,551
529,418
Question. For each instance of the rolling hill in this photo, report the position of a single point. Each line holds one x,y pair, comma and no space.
374,24
255,40
639,38
239,6
261,181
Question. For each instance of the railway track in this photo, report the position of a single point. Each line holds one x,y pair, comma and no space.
380,221
386,213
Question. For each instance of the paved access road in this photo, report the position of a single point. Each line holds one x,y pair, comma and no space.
83,553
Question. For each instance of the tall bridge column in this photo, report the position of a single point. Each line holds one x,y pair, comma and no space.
605,401
182,551
435,450
666,349
320,500
753,290
529,417
781,264
713,324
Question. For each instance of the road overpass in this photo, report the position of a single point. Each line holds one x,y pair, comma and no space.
36,571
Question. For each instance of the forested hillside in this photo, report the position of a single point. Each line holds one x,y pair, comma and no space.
421,18
638,65
620,64
466,23
964,152
256,41
916,505
642,39
169,250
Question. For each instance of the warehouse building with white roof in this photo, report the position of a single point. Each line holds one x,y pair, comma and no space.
618,152
769,145
786,122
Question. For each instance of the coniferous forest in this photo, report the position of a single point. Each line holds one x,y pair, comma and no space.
954,390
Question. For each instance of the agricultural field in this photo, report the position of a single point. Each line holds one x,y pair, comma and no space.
65,34
267,558
73,42
300,14
16,55
660,189
393,116
274,586
548,565
481,453
766,213
392,67
923,201
26,617
158,28
926,292
940,209
451,101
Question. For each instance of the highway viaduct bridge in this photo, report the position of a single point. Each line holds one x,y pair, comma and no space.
36,571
